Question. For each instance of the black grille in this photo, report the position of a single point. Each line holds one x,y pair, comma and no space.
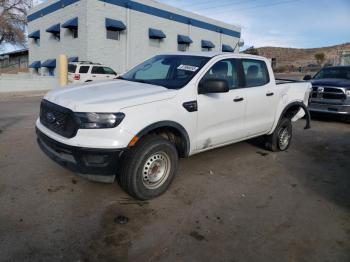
58,119
328,93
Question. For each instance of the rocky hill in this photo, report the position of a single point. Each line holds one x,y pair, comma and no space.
295,57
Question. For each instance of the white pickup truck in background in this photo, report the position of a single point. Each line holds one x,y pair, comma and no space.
174,105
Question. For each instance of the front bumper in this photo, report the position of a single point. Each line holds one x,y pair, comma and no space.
332,108
96,163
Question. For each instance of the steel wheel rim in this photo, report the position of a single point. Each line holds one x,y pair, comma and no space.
156,170
284,138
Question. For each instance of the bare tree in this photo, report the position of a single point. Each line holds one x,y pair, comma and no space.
13,21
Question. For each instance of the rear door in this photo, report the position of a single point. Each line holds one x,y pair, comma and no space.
261,97
221,115
97,73
84,73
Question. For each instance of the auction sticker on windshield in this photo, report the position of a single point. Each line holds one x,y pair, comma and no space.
188,68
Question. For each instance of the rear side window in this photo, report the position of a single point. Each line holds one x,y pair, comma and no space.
84,69
97,70
71,68
255,72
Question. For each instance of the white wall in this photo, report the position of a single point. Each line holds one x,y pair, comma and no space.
134,45
12,84
49,47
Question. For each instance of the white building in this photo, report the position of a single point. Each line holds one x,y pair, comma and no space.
119,33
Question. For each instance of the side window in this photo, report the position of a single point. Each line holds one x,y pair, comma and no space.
255,72
84,69
109,71
226,70
71,68
97,70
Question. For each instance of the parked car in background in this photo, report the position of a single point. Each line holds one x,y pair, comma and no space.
175,105
331,91
81,72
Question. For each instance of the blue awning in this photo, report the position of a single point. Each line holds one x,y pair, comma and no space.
184,39
35,64
50,63
35,35
156,34
115,25
73,59
207,44
55,29
227,48
71,23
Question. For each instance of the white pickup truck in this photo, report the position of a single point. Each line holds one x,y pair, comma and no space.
175,105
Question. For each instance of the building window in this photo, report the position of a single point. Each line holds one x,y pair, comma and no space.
207,49
51,71
75,33
114,35
183,47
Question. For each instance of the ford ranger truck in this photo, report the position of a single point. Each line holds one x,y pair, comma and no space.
171,106
331,91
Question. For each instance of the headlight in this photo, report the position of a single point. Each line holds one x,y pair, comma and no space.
347,92
99,120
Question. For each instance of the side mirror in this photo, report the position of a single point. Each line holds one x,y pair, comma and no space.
210,86
307,77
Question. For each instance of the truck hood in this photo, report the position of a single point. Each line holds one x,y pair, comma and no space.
109,96
337,82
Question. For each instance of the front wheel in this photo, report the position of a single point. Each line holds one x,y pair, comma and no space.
148,169
281,138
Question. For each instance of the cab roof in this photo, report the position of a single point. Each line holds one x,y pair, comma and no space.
213,54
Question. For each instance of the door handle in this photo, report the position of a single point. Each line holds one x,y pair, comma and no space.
269,94
93,76
238,99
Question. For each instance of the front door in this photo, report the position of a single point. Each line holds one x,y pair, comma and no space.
221,115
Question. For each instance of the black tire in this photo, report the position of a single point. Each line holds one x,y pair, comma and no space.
274,142
131,177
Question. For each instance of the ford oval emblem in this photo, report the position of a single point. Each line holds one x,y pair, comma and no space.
50,118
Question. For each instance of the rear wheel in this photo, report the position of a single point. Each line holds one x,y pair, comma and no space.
148,169
281,138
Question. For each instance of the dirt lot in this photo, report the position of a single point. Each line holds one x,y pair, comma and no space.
237,203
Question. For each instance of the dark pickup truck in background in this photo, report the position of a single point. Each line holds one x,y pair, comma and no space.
331,91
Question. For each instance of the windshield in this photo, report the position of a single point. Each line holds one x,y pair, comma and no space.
170,71
334,72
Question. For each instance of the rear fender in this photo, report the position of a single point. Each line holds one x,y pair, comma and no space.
301,110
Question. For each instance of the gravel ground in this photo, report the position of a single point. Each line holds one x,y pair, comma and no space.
237,203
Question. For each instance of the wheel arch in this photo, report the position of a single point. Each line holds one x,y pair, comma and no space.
181,139
291,110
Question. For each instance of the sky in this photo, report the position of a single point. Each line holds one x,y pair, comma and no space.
283,23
